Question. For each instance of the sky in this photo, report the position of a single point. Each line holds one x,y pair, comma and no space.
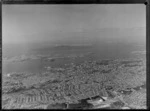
72,23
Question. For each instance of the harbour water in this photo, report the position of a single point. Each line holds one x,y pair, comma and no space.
37,60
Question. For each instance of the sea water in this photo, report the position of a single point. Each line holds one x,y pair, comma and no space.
63,55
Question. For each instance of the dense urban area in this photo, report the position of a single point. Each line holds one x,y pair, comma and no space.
109,84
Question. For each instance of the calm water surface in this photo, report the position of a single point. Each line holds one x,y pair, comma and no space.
105,51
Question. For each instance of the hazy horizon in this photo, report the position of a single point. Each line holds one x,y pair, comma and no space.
62,55
73,24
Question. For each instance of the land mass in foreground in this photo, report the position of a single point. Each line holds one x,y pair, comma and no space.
112,81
